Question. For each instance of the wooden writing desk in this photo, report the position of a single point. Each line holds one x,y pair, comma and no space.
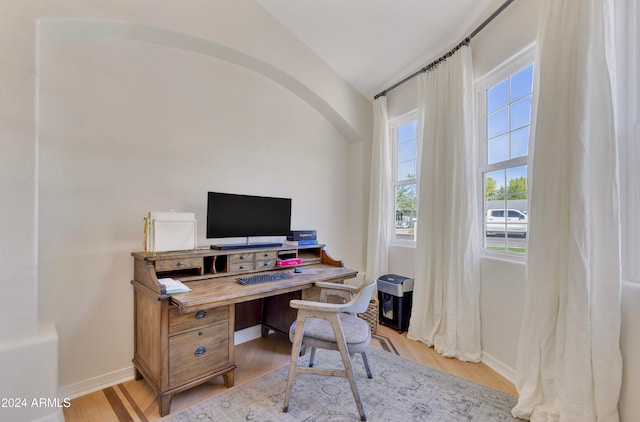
185,339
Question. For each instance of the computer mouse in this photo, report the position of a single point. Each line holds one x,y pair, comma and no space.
297,270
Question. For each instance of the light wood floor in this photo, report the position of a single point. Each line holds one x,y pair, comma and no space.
135,401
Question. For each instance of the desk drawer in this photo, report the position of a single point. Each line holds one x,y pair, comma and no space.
197,353
265,265
179,323
178,264
243,266
267,255
241,257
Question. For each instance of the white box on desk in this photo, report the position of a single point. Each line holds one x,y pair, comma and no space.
170,231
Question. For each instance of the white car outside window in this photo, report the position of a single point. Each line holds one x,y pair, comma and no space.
514,223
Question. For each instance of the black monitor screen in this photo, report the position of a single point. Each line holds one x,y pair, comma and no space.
231,215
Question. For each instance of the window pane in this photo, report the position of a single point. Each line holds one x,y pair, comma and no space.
498,149
520,142
494,185
517,182
407,132
522,83
405,211
407,151
521,113
497,96
517,223
406,161
407,170
506,224
494,221
498,123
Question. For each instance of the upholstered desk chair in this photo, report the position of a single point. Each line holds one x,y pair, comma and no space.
333,326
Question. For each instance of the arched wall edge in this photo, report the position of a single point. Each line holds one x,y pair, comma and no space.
67,28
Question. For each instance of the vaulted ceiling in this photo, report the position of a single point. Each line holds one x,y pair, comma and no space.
375,43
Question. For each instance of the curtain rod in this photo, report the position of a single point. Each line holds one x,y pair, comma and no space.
466,41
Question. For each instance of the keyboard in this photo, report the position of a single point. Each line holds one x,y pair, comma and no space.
263,278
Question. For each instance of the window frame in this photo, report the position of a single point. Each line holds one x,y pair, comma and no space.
501,72
394,124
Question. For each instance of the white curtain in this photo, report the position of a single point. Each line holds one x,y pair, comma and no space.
380,194
569,363
445,312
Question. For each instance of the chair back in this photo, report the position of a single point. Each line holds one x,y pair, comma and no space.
360,302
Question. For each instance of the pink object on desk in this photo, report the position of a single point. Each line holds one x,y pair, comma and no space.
288,262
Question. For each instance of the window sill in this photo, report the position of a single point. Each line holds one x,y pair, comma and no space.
504,256
405,244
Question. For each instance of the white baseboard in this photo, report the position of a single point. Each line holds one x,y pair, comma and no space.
98,383
126,374
500,367
247,334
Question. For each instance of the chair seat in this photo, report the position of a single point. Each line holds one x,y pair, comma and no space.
318,333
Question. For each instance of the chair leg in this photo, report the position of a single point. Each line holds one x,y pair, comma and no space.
312,357
295,350
365,359
344,353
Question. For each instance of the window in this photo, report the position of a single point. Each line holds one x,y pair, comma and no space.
505,99
404,134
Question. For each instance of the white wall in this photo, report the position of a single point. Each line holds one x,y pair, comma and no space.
111,111
127,127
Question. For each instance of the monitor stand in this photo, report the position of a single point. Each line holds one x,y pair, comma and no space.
247,245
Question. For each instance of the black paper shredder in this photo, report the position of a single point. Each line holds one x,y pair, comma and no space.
395,296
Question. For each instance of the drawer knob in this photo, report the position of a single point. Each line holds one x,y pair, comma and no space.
201,314
181,264
243,257
201,351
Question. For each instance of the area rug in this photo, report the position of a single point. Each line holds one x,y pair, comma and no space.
401,390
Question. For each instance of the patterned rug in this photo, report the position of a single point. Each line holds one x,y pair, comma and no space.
401,390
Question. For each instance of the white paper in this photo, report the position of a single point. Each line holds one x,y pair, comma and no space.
173,285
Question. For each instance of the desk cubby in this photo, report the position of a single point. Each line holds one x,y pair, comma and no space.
211,263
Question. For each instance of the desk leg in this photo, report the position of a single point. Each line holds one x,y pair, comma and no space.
229,379
165,404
